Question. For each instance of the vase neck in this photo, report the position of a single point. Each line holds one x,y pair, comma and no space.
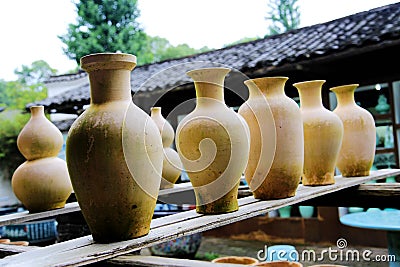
155,112
345,94
209,85
109,85
109,76
310,93
271,86
37,111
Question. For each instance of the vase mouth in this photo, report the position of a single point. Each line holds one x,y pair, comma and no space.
102,61
270,78
204,74
344,88
36,109
310,82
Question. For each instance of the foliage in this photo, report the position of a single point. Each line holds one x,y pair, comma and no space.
242,40
111,26
106,26
284,15
16,95
11,123
37,73
162,49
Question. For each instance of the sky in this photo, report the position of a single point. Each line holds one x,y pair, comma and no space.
29,29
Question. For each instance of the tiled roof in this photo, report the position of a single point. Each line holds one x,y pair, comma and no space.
380,26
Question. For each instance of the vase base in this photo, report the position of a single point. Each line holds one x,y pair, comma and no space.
45,207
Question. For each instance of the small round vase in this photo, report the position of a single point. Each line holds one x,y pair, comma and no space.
42,182
285,136
285,212
172,165
323,134
213,144
357,152
114,153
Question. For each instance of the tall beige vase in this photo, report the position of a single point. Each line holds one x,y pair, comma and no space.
114,153
172,165
323,134
359,139
283,178
42,182
213,143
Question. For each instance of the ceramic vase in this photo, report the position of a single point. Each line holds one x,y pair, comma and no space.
357,152
172,165
213,144
284,135
323,134
42,182
114,153
306,211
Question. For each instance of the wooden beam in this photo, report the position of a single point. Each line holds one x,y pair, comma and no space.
84,250
379,195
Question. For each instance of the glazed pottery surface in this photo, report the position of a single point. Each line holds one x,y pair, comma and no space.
323,134
213,144
284,135
182,247
114,153
236,260
42,182
357,152
172,165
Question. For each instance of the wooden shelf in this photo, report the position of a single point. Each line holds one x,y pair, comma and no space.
84,250
382,150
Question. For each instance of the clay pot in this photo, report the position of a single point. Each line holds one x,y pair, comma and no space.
323,133
213,144
284,135
236,260
42,182
357,152
172,165
114,153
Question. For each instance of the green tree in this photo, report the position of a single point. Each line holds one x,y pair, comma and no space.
242,40
284,15
106,26
38,72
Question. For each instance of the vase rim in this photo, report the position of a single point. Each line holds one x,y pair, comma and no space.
340,88
98,60
309,82
210,69
270,78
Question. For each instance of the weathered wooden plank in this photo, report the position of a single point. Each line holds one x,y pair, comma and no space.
84,251
25,216
379,195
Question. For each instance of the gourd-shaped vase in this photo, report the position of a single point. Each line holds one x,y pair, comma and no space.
172,165
323,134
213,144
114,153
359,138
42,182
267,95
